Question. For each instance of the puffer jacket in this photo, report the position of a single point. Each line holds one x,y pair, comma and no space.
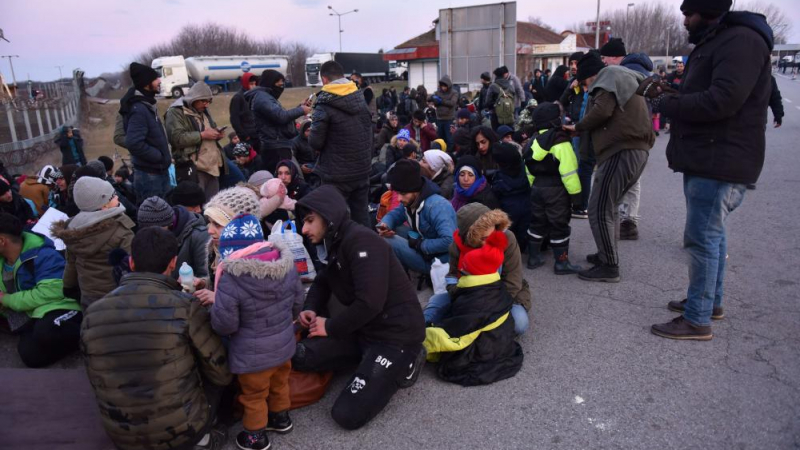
193,239
446,109
638,62
275,125
36,192
88,274
719,118
254,305
146,345
301,150
341,131
143,133
242,119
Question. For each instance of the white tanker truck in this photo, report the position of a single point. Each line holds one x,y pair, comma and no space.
177,73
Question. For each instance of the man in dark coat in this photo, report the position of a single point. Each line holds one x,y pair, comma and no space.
719,120
13,203
556,84
71,144
242,119
145,137
341,131
380,328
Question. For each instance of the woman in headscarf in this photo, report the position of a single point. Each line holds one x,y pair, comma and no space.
471,186
438,167
513,190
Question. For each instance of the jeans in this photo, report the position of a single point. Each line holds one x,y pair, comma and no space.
409,258
439,305
149,185
443,130
708,203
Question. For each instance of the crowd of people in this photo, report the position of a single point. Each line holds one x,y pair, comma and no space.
183,292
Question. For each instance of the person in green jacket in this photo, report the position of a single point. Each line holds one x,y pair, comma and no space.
556,187
31,295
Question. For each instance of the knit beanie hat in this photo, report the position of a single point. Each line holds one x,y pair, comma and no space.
98,167
241,232
48,175
486,76
406,176
241,149
576,56
463,113
92,193
108,163
615,46
260,177
713,8
155,212
547,115
404,134
439,144
437,159
504,130
589,66
187,193
507,155
501,71
227,204
142,75
487,259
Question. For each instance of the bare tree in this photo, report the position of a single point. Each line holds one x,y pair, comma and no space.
538,21
776,18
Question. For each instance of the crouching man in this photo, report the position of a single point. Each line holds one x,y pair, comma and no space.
380,329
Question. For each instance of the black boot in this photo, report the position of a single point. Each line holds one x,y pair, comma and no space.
279,422
562,265
601,272
628,231
535,258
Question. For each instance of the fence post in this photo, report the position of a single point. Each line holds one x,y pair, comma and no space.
39,121
27,123
49,123
11,127
63,117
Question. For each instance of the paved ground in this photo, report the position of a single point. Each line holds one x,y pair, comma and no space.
594,376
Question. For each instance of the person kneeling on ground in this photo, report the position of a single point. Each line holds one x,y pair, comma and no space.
475,223
381,326
474,342
431,218
257,288
31,295
147,340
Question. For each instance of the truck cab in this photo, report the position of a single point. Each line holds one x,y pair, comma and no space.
313,64
173,74
398,70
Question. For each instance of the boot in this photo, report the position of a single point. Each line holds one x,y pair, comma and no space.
535,258
562,265
628,231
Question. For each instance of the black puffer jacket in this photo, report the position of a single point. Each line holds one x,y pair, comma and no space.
275,125
720,116
364,275
341,131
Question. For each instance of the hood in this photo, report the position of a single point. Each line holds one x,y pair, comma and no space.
198,91
428,188
504,83
639,62
32,243
474,219
344,97
292,168
446,80
620,81
560,71
754,21
340,89
268,79
303,128
258,261
328,203
85,240
246,80
252,93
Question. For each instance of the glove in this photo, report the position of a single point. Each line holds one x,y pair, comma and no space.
437,99
415,243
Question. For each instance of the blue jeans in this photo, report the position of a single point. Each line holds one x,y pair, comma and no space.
708,203
439,305
409,258
147,185
443,131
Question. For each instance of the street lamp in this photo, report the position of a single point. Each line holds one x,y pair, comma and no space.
627,32
339,15
13,77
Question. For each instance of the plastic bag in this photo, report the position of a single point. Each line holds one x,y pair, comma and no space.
439,271
287,233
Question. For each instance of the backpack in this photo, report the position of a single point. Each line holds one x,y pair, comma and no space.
504,107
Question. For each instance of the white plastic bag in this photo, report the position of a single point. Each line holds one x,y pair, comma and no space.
438,273
287,234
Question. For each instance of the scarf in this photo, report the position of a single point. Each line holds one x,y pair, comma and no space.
462,196
86,219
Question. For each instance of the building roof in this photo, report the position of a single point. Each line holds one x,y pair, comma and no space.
425,39
529,33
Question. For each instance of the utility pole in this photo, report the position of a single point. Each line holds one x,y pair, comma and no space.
627,24
667,42
11,63
60,77
339,15
597,28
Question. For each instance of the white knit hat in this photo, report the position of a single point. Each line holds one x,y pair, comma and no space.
232,202
437,159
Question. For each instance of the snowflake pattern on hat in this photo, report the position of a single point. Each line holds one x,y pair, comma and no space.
243,231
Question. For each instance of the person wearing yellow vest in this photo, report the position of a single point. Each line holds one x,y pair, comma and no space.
555,190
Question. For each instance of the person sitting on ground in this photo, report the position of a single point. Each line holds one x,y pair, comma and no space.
471,186
512,189
37,189
189,195
258,280
389,130
189,229
149,334
90,236
302,151
233,141
121,184
380,328
287,172
31,295
556,189
431,219
437,166
475,223
474,340
96,169
108,164
58,198
247,160
483,140
14,204
397,148
506,135
420,130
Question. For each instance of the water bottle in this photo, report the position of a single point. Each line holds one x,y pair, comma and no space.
186,277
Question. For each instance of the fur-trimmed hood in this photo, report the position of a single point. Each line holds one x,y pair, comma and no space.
92,237
248,261
491,220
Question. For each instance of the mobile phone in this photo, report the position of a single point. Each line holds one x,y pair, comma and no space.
311,98
222,129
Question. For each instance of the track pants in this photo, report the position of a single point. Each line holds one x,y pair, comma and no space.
44,341
613,178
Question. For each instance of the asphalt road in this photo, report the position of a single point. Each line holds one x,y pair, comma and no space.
594,376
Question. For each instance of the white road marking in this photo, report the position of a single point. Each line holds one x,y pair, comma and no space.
787,100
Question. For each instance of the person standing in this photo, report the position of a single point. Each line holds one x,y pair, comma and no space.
719,119
144,134
241,115
341,131
446,101
369,95
276,125
71,144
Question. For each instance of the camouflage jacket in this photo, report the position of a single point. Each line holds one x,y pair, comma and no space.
146,346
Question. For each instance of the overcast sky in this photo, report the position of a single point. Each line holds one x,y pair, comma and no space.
103,35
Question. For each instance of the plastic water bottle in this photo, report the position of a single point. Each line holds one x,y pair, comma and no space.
186,277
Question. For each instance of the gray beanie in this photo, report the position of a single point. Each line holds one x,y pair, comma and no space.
155,212
260,177
92,193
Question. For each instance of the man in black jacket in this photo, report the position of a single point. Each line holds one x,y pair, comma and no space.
719,120
242,120
341,131
145,137
380,328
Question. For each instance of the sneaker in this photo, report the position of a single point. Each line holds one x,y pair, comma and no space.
594,259
580,214
628,231
680,328
253,440
215,439
601,272
414,370
716,313
750,187
279,422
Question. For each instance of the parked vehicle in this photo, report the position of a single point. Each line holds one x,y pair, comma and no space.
370,65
